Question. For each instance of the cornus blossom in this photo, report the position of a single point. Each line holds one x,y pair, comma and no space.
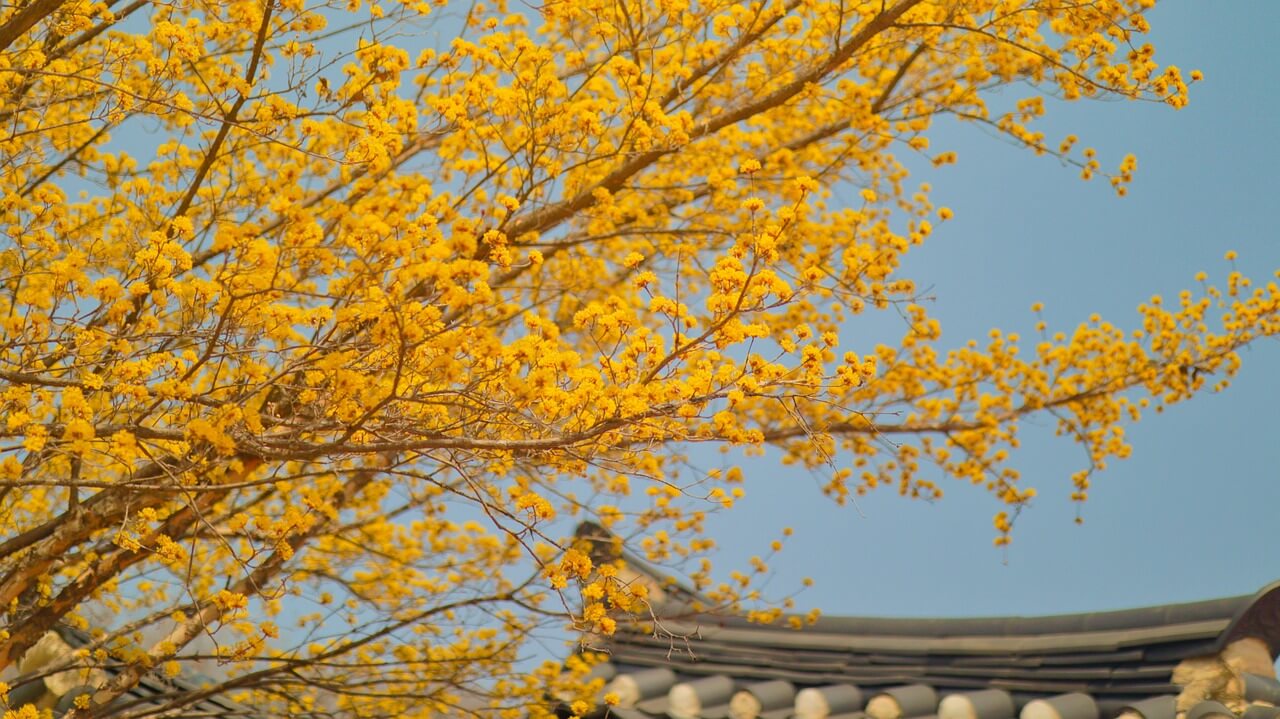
323,324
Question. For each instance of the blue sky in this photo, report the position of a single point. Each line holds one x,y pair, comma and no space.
1191,514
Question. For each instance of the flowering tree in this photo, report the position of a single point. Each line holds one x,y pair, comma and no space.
323,323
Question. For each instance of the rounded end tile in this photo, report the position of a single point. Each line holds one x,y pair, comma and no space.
744,705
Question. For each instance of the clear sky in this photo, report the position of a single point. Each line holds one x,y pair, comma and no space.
1193,514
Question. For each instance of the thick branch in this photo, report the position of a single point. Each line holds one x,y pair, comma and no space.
25,19
28,630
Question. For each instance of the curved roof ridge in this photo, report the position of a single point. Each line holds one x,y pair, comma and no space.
1125,654
1227,611
1225,619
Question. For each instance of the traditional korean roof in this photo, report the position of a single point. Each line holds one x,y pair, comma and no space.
1200,660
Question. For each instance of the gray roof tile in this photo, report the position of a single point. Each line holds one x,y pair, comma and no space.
822,701
758,697
1261,689
982,704
905,702
1209,710
1261,711
1082,666
1076,705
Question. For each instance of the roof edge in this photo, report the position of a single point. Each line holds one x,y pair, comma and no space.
1218,621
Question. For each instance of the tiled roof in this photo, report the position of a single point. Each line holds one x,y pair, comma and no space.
1178,660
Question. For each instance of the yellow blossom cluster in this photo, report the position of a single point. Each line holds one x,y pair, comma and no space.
323,324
